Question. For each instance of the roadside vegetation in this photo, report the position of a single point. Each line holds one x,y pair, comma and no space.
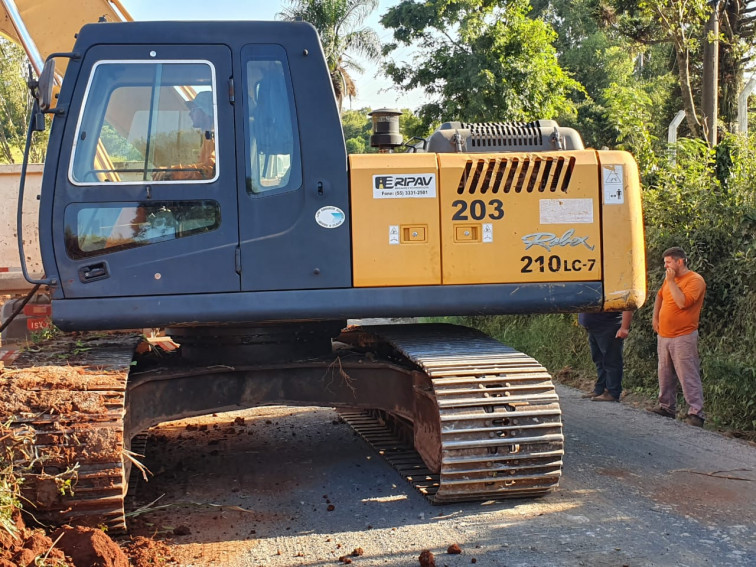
16,107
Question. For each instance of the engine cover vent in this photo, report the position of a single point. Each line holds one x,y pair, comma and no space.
517,174
496,134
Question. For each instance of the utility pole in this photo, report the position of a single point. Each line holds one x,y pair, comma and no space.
711,75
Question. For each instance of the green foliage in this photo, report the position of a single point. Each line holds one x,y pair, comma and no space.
628,109
479,61
120,149
15,107
338,23
629,87
412,126
12,443
45,334
556,341
357,127
17,445
9,501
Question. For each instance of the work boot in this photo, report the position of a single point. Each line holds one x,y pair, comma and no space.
605,397
591,395
658,410
694,420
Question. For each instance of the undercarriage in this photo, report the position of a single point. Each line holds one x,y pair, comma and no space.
484,418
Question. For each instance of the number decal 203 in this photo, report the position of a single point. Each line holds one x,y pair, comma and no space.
554,264
478,209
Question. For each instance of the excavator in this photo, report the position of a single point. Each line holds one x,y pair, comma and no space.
251,238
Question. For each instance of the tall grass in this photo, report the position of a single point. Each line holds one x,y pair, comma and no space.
556,341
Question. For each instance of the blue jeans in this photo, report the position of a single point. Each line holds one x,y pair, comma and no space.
606,352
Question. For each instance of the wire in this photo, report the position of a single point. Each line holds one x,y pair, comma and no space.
20,308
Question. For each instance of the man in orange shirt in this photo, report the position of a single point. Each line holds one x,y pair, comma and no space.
677,310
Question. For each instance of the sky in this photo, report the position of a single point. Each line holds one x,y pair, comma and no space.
372,85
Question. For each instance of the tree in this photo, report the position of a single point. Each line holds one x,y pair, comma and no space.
357,129
16,106
738,30
337,22
628,84
680,23
479,60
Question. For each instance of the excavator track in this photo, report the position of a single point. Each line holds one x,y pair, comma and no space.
388,438
472,419
498,415
67,399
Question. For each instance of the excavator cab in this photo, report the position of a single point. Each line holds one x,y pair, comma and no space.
138,212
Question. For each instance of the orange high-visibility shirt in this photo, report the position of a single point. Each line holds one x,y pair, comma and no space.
676,322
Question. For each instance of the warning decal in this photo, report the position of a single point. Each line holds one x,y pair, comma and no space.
614,184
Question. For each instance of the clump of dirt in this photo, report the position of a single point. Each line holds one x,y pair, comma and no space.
427,559
454,549
89,547
182,530
146,552
27,545
56,389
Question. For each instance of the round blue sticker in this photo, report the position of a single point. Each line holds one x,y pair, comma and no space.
330,217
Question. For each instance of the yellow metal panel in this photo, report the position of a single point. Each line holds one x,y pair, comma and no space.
624,250
395,220
520,217
53,26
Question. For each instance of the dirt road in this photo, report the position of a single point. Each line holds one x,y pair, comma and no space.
293,486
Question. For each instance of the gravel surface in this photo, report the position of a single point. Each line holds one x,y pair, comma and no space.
284,486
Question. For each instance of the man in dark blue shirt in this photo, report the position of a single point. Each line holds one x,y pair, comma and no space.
606,334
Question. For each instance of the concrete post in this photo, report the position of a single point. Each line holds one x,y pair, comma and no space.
711,75
743,105
672,134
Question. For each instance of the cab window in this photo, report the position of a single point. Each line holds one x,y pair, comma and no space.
272,142
94,229
147,122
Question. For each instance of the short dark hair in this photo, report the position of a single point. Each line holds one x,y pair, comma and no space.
675,252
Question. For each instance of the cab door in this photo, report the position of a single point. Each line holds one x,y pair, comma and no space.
293,195
145,193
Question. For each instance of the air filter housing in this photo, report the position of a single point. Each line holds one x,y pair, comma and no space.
386,135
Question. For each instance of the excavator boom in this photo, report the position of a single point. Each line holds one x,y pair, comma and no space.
42,27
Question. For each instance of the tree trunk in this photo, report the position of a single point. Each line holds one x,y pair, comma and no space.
338,87
5,148
683,71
